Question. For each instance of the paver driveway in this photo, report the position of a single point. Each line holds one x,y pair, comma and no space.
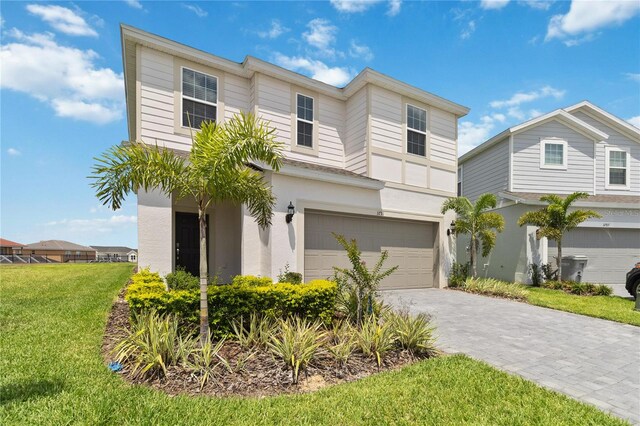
590,359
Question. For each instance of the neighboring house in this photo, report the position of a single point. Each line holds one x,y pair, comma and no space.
373,161
580,148
115,253
58,251
7,246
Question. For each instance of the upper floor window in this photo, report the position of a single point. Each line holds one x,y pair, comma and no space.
304,106
460,181
617,162
553,154
416,130
199,98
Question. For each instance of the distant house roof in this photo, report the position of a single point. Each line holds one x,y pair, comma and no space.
113,249
57,245
533,198
9,243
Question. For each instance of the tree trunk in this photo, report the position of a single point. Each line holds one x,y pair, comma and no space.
559,260
472,256
204,276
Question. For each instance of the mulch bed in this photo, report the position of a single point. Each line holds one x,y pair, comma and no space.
261,375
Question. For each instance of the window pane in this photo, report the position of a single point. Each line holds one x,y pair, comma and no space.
617,159
305,107
416,143
618,176
197,113
187,76
553,154
305,132
416,118
200,86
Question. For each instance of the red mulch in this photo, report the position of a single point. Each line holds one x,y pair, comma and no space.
262,375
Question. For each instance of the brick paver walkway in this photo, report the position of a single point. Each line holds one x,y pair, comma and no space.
590,359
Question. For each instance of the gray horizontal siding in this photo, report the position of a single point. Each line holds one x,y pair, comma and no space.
528,176
487,171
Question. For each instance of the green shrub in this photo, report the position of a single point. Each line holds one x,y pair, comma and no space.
578,288
254,332
549,273
290,277
230,302
536,274
375,338
413,333
296,343
602,290
182,280
251,280
458,274
206,360
493,287
341,342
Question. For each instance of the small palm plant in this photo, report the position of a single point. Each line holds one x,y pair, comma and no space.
217,169
555,219
475,220
359,279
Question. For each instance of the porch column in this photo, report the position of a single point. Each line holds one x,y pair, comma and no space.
155,232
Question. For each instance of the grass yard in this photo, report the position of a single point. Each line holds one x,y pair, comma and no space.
51,324
607,307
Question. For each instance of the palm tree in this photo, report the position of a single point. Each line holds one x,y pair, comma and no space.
554,220
216,169
473,219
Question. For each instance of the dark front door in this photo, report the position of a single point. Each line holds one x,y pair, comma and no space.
187,248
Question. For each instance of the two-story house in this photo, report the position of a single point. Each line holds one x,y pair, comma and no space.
372,161
579,148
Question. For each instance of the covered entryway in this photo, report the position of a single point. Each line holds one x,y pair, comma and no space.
410,245
187,250
611,252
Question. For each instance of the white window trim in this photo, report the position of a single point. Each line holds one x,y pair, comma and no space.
312,122
406,118
460,177
607,185
183,96
565,154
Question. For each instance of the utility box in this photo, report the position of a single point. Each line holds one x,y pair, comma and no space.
573,267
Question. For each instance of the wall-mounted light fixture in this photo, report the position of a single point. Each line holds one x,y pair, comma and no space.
452,228
291,209
538,234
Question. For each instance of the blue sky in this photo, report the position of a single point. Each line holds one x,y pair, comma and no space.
62,96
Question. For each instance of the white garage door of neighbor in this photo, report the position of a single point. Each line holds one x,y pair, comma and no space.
611,252
409,243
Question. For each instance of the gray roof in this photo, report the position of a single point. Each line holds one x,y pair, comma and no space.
113,249
600,198
57,245
325,169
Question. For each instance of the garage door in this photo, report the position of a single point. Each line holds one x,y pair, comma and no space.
611,253
409,243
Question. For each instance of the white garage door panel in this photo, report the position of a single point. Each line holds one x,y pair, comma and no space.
611,253
410,246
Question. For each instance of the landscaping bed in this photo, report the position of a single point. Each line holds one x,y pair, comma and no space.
261,375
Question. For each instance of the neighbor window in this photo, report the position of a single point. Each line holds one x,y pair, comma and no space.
617,168
416,130
553,154
460,181
304,106
199,98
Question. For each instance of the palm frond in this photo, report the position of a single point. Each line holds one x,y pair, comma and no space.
484,202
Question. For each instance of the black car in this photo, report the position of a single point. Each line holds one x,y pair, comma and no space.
633,280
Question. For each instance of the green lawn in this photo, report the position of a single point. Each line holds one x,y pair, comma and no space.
607,307
51,323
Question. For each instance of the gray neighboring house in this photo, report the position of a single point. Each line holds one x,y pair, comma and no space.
579,148
116,254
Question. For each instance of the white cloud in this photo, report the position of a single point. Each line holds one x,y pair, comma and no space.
537,4
93,226
200,12
62,19
357,6
360,51
468,30
586,17
632,76
635,121
64,77
525,97
493,4
13,152
472,134
275,31
321,33
336,76
134,3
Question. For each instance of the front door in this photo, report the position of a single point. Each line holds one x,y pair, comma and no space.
187,250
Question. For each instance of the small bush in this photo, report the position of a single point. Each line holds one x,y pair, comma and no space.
535,272
602,290
341,342
493,287
458,274
296,343
413,333
251,280
256,332
206,360
580,289
549,273
347,301
182,280
375,338
287,276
